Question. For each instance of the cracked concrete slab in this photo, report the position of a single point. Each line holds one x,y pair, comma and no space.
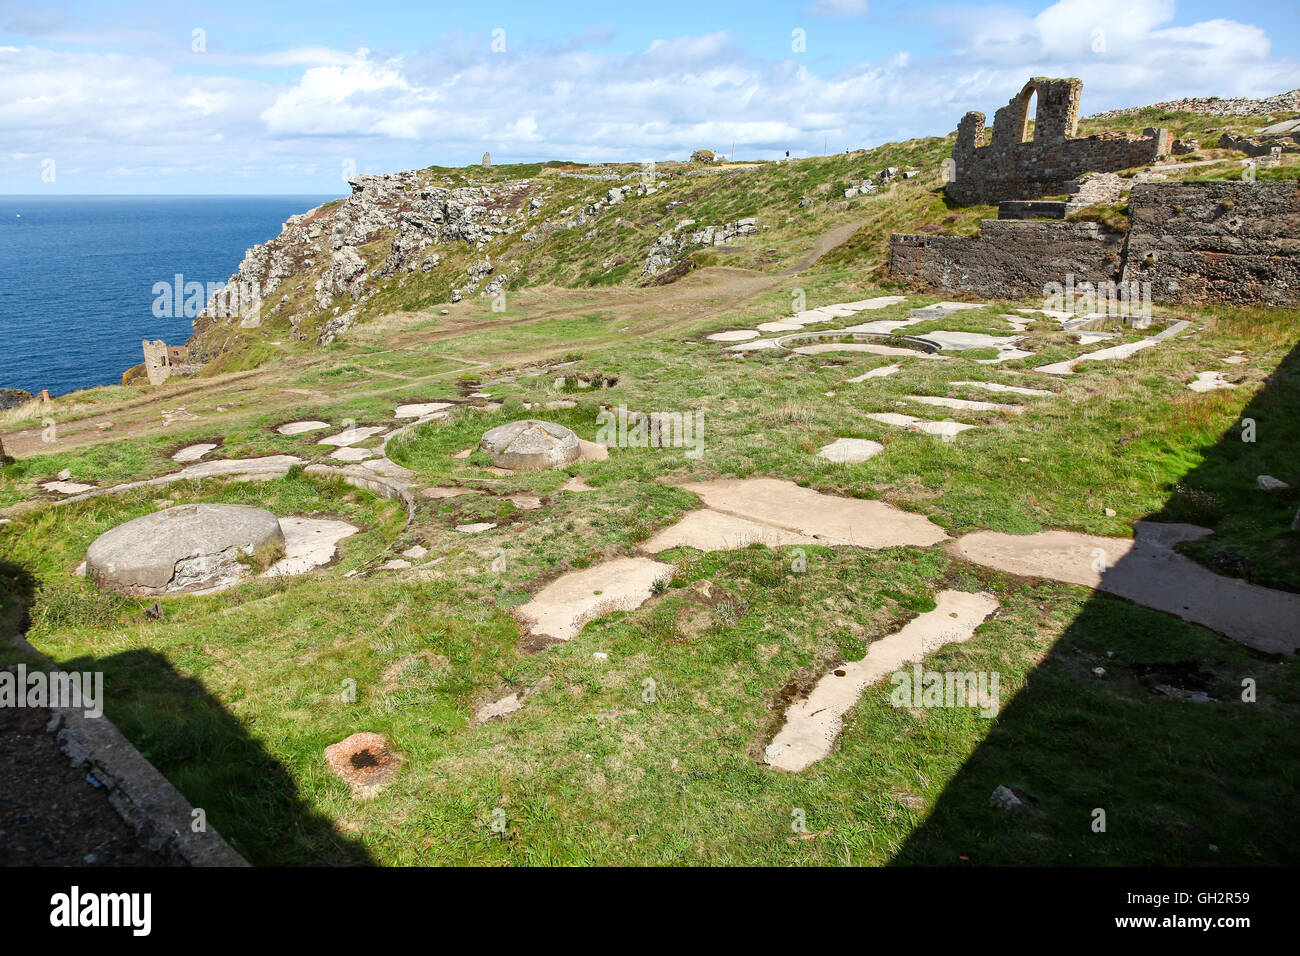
831,519
881,372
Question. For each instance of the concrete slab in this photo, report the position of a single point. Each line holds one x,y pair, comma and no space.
348,453
67,487
831,519
736,335
562,608
881,372
193,452
709,530
944,428
301,428
848,451
1124,351
351,436
1209,382
1148,571
420,409
1011,389
308,543
944,401
813,723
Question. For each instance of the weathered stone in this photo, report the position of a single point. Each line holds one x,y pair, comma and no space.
186,548
531,445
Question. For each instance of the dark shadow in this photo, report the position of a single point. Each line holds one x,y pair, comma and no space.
206,753
1182,781
200,747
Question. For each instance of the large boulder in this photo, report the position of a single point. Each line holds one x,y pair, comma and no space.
531,445
186,548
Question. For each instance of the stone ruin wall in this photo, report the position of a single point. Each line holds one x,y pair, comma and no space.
1206,242
1010,259
1013,166
1216,242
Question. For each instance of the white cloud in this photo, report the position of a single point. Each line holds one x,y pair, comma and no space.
107,114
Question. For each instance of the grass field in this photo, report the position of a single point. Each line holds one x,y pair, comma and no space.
653,752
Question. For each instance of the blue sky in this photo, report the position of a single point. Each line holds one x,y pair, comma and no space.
237,97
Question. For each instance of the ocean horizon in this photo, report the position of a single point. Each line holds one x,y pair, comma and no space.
78,275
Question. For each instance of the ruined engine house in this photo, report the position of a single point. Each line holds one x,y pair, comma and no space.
1015,166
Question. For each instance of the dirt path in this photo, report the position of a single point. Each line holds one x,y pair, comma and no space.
649,312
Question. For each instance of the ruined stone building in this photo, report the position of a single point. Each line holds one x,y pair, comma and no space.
1015,166
1222,242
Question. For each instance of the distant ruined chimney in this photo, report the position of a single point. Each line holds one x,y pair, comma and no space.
487,160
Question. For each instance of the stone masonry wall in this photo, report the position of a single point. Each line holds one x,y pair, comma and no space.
1229,242
1010,259
1014,167
1206,242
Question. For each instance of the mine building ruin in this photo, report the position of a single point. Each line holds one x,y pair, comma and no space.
1015,166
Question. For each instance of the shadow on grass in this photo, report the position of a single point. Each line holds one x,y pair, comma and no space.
1180,781
200,747
207,754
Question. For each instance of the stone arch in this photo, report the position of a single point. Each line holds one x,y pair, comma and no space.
1026,97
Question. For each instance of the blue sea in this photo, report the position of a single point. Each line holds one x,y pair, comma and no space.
77,275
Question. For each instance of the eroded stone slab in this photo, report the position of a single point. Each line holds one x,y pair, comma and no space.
779,327
848,451
944,428
966,404
1209,381
1012,389
301,428
812,724
1148,571
881,372
562,608
420,409
735,335
709,530
193,452
308,543
352,436
831,519
477,527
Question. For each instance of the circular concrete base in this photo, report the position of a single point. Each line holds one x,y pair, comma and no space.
531,445
183,549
